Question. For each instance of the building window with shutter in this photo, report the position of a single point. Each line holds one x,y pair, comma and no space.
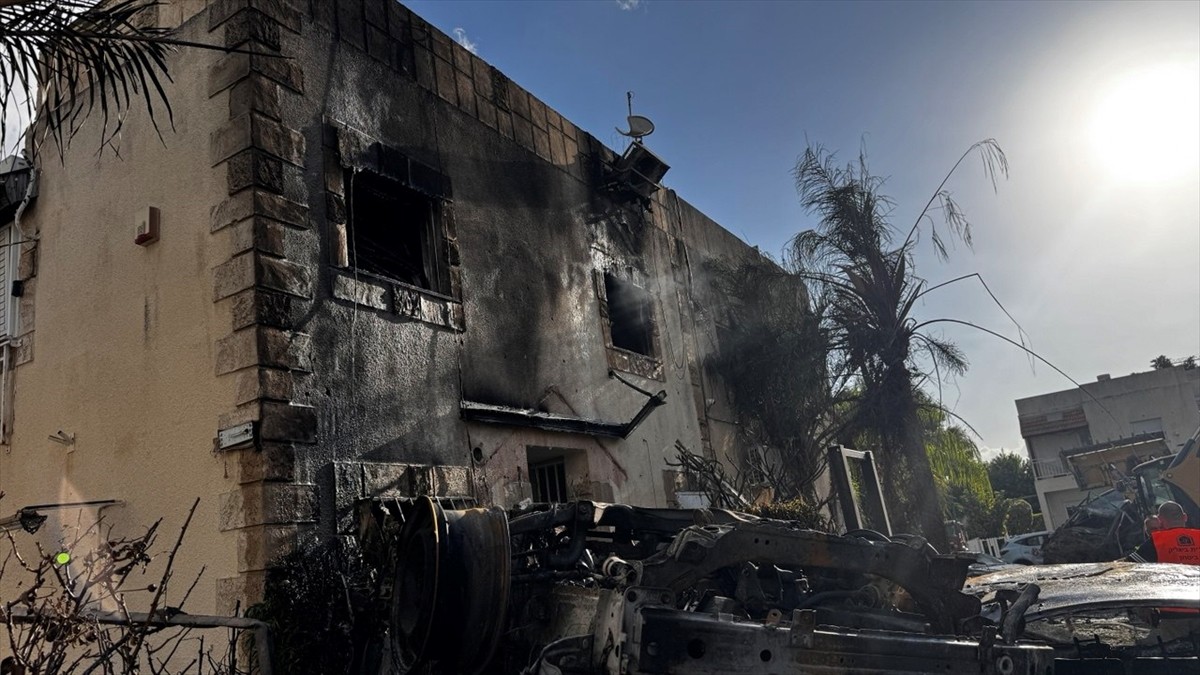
9,253
8,273
396,232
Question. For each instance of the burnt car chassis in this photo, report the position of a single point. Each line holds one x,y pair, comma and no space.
588,589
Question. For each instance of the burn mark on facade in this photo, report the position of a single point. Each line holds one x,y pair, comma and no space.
392,228
395,232
628,321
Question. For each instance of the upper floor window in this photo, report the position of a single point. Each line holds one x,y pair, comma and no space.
392,236
396,232
630,316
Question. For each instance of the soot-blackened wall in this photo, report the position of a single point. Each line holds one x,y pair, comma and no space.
524,231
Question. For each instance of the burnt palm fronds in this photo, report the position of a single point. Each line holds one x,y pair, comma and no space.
995,164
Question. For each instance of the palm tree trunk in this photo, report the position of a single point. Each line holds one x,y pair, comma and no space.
926,504
912,484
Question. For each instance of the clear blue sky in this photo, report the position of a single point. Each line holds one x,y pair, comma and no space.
1094,241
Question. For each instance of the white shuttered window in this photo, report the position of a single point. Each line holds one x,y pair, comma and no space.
6,277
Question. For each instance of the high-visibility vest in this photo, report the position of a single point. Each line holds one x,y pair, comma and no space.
1177,545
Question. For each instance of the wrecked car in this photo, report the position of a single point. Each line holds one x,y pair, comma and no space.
1114,617
586,588
589,588
985,563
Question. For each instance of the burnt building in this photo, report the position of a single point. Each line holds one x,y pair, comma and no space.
370,267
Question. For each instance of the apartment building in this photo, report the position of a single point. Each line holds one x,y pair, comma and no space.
1136,415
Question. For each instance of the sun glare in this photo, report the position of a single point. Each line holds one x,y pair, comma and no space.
1146,126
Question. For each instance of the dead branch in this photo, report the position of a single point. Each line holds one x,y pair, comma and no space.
54,623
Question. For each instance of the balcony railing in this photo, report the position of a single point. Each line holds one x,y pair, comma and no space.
1049,468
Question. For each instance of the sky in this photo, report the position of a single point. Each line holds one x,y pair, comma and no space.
1093,241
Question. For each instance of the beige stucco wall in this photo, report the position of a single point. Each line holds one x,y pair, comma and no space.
123,335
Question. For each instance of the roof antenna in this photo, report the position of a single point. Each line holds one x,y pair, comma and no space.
638,126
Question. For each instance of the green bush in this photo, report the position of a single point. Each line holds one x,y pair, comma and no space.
1020,517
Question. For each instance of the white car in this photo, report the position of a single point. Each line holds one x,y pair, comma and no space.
1024,549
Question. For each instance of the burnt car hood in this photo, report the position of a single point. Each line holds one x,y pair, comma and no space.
1080,586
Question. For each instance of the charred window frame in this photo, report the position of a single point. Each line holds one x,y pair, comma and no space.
393,242
629,319
396,232
630,316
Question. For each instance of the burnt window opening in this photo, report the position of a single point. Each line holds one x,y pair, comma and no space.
630,316
395,231
549,480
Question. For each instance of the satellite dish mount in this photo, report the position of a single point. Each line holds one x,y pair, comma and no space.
638,126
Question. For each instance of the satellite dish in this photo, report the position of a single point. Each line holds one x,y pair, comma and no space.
638,126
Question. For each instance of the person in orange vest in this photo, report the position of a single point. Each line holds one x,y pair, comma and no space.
1174,543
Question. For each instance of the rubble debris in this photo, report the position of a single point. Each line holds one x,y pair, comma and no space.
587,588
1109,525
595,588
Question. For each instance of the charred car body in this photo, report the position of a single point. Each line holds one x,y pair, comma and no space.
588,588
1112,617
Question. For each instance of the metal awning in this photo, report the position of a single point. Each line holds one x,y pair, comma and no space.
537,419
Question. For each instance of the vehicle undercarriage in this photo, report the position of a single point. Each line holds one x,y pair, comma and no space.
586,589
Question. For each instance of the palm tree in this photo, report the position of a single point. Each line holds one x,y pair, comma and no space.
1161,362
868,283
953,455
65,59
